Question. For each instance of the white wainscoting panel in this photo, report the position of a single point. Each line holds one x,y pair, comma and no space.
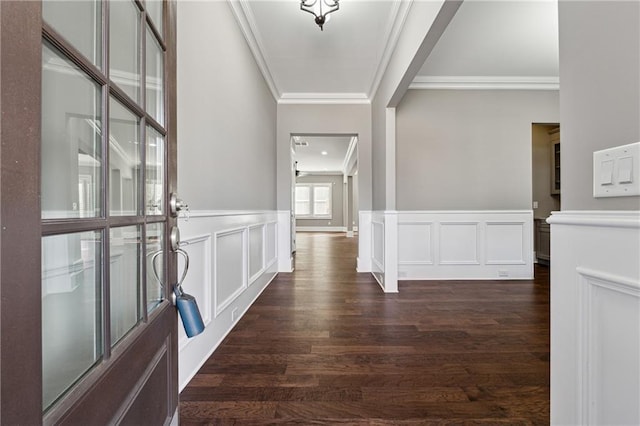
271,243
609,310
256,252
378,246
505,243
285,258
418,243
459,243
230,266
384,249
226,250
197,282
364,241
595,317
465,245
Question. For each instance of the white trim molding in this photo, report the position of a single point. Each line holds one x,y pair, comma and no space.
321,229
607,219
485,83
285,258
465,245
324,98
384,249
398,16
595,317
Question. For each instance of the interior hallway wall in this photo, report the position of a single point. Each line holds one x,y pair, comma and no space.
468,149
226,114
600,96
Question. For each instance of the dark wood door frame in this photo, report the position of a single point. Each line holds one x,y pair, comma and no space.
20,282
20,247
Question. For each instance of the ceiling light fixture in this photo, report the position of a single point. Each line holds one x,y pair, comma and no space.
320,9
324,153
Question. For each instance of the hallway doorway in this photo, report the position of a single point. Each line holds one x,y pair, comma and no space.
324,184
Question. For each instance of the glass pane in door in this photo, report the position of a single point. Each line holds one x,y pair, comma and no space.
71,310
155,78
124,42
154,9
155,265
125,252
154,172
71,167
80,23
124,160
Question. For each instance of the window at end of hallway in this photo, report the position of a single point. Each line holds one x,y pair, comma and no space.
313,200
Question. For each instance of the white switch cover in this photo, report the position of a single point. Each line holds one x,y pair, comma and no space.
616,171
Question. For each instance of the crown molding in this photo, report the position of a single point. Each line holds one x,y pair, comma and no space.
485,83
324,98
247,24
396,22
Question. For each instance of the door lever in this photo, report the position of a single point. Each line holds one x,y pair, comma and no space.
176,205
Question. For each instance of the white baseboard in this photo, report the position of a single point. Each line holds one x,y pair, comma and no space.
321,229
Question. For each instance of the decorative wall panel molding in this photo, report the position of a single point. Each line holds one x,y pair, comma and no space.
505,243
418,248
230,266
384,249
256,251
197,282
465,245
610,347
227,250
377,231
364,241
459,243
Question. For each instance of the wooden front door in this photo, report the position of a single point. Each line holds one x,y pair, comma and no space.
88,153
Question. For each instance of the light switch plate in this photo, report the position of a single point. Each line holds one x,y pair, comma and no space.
616,171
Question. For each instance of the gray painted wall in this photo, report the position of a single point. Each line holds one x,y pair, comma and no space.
226,115
468,149
337,205
599,95
354,119
424,25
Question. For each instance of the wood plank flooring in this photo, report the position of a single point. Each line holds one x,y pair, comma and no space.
324,345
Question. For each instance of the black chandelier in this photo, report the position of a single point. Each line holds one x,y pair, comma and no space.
320,9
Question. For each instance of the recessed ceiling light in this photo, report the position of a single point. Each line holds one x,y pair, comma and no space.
324,153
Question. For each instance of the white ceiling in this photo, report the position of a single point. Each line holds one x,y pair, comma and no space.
311,159
486,39
340,62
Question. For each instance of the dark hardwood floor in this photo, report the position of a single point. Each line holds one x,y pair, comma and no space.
324,345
